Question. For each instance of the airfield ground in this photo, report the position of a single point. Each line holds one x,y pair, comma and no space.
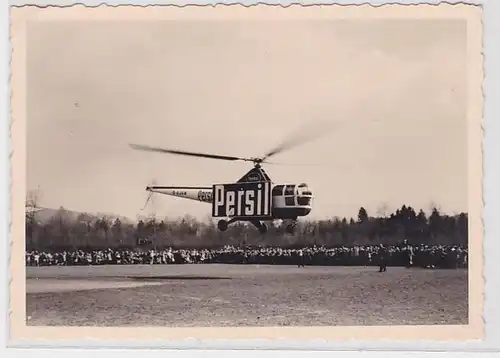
243,295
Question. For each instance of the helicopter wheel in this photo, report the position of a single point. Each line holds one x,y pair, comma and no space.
222,225
263,228
290,228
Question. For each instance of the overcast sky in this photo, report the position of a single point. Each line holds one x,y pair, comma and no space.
394,90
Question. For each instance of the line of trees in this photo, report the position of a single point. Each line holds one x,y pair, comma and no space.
65,231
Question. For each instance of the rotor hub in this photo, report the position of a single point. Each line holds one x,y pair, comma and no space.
257,162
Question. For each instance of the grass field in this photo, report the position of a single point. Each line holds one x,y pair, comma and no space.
246,295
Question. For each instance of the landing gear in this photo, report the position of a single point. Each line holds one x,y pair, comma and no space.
262,227
222,225
290,228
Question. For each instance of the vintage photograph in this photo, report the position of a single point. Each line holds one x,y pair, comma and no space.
279,167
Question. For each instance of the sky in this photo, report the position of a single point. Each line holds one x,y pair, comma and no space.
392,95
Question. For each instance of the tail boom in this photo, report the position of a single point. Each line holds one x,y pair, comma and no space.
197,193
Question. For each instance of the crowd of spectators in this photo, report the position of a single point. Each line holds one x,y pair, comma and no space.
425,256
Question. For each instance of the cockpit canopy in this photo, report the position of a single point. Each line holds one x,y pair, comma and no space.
294,194
291,189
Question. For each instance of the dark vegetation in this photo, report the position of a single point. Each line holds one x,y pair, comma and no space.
66,230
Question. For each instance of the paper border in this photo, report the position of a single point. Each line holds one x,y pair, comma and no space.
302,334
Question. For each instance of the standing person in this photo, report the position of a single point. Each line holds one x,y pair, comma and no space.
408,254
411,255
301,258
382,253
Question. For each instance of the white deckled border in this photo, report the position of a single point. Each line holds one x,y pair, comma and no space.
491,180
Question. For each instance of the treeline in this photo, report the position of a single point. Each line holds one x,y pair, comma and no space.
62,231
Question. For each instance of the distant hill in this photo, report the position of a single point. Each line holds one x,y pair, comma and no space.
43,215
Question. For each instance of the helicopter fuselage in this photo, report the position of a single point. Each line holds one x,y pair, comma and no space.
248,201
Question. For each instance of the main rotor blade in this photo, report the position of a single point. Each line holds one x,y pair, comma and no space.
302,136
294,164
179,152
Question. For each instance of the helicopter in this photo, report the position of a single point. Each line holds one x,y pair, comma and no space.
254,198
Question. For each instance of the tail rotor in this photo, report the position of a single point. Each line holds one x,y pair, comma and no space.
150,197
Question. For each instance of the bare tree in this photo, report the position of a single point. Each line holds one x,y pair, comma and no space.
31,209
32,200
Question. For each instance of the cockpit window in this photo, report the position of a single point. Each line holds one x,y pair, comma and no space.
278,190
304,200
289,200
290,190
302,185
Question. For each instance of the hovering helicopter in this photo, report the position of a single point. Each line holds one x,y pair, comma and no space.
253,198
